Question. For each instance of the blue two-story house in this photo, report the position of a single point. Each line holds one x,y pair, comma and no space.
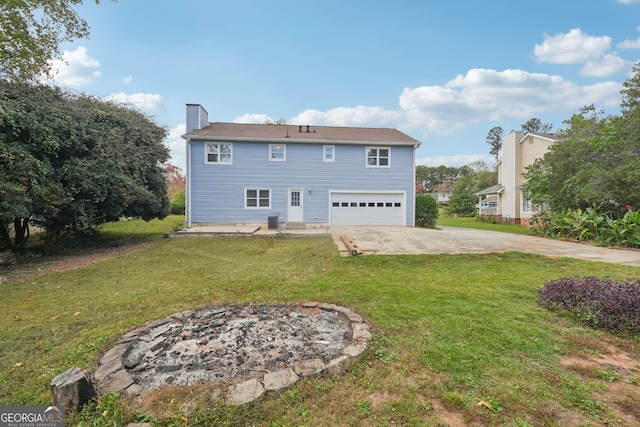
252,173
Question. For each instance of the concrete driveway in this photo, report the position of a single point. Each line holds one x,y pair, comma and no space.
453,240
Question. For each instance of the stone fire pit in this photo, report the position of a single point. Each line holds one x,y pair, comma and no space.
246,350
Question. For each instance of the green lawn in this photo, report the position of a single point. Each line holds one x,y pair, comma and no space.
453,334
472,222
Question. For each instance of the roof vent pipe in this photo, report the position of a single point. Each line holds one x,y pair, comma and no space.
307,128
299,128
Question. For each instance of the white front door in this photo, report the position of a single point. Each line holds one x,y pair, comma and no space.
294,213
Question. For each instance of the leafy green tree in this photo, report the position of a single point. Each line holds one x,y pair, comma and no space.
279,122
494,139
430,177
71,162
463,200
426,211
535,125
596,164
32,32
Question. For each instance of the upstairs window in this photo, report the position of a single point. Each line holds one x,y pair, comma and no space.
277,152
257,198
219,153
378,157
329,153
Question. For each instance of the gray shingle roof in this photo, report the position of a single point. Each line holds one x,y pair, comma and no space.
283,133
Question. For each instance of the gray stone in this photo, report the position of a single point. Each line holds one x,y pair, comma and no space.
117,351
280,379
112,365
72,389
354,350
245,392
360,332
337,366
117,381
308,367
133,390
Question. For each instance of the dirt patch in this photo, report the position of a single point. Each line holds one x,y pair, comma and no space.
620,372
59,263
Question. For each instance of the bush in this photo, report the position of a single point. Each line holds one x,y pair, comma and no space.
589,225
598,303
177,202
426,211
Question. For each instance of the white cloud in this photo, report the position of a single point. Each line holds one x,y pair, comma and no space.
144,101
253,118
605,66
457,160
177,146
572,47
481,95
490,95
127,79
628,1
76,68
350,116
629,44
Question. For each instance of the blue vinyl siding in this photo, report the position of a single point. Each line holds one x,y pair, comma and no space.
217,191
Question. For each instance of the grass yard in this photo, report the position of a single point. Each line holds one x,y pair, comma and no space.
472,222
458,339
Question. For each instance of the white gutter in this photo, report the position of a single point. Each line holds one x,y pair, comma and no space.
188,185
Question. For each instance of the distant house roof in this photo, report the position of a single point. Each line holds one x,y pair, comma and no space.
548,136
445,187
491,190
302,134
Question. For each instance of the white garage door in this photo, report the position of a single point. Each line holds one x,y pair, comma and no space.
367,208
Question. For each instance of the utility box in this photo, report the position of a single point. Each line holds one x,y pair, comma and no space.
272,221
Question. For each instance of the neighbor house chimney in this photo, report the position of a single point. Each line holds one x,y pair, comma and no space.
197,117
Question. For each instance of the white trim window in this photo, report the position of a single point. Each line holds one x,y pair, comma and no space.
527,204
217,153
257,198
277,152
378,157
329,153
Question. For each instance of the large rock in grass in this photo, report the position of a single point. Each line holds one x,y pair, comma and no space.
72,389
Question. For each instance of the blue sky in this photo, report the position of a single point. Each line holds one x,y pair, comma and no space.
444,72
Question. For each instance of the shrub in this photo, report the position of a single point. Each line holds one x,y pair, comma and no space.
426,211
177,202
589,225
596,302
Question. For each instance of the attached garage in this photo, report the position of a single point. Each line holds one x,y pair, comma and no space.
367,208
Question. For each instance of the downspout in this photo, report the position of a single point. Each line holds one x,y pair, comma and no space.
413,186
188,185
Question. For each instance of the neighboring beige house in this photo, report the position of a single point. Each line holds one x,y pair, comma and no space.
519,150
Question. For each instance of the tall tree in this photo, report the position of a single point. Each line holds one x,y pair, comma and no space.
535,125
71,162
494,139
595,164
430,177
462,200
31,34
